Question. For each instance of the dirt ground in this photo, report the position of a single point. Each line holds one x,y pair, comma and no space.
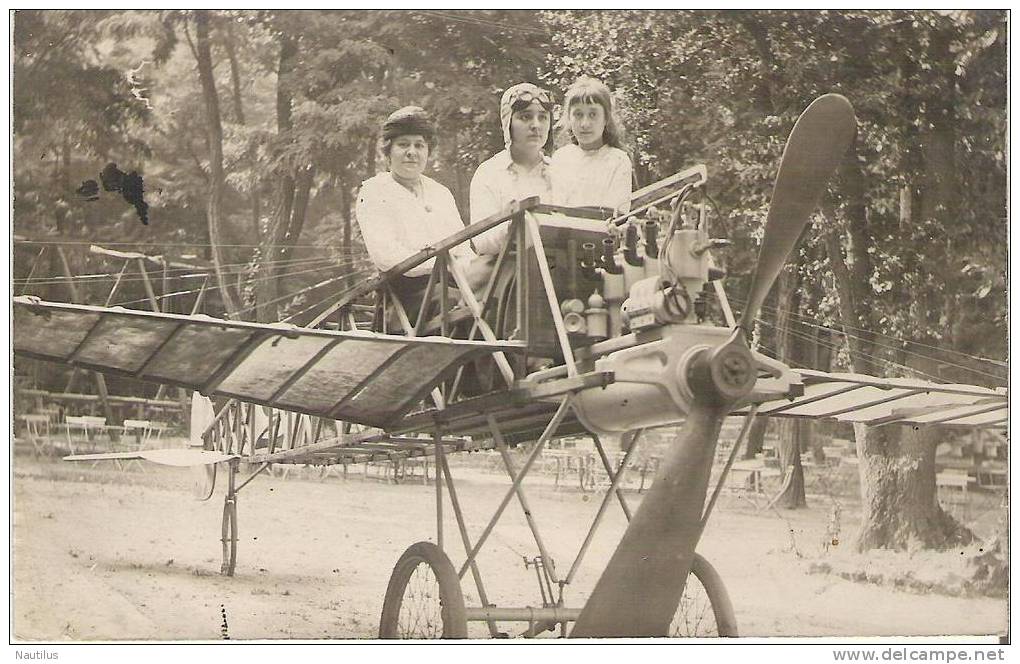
101,554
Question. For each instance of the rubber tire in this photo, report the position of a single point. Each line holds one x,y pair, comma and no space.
722,607
228,537
451,598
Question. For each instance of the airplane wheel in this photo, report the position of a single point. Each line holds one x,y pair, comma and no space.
229,537
705,609
423,599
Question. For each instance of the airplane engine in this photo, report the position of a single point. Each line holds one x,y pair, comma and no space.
650,313
650,385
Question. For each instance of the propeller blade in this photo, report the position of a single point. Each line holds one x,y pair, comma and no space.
639,591
814,149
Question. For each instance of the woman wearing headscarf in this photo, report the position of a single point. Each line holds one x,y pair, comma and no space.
521,169
402,211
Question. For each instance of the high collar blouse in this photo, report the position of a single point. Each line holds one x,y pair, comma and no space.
396,224
597,178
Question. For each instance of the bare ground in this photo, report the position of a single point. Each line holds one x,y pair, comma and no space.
100,554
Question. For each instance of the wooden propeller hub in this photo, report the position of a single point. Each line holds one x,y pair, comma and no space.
723,374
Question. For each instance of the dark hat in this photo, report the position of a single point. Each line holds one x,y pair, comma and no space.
408,120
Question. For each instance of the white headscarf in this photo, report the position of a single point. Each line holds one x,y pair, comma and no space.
514,94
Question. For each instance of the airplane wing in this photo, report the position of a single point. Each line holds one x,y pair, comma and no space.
360,377
849,397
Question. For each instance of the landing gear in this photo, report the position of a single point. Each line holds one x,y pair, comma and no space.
705,609
423,599
228,532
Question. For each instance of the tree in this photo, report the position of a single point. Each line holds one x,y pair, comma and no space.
898,466
71,112
910,258
214,139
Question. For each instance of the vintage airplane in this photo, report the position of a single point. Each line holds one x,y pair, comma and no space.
582,327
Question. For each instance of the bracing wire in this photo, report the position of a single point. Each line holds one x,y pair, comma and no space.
876,362
351,258
157,273
873,360
877,334
217,287
906,341
304,290
182,268
157,277
170,272
797,318
318,304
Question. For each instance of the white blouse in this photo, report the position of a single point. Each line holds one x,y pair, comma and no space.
396,224
597,178
496,183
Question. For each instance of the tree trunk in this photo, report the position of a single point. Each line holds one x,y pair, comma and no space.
266,274
214,134
370,154
461,188
256,211
762,337
285,246
230,45
821,360
792,432
235,73
347,248
793,436
51,289
756,437
767,90
345,210
898,498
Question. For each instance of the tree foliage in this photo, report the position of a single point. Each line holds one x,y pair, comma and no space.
906,256
910,244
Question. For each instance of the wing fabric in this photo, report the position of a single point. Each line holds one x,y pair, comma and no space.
849,397
360,377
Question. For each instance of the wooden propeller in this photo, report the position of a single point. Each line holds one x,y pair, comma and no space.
816,146
640,589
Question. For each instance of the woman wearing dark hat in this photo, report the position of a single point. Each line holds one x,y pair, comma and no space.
402,211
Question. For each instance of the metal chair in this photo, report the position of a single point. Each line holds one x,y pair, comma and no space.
37,431
77,430
137,434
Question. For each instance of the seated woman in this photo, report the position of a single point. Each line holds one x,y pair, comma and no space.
402,211
520,170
